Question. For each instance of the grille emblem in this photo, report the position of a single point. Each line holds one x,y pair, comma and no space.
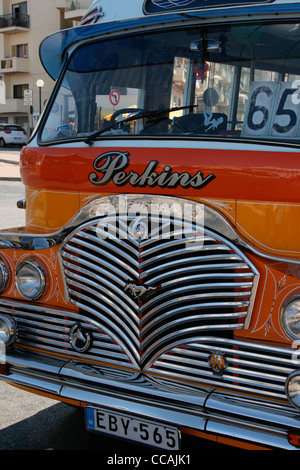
139,291
79,338
217,363
139,229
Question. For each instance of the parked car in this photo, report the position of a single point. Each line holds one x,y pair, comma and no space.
12,134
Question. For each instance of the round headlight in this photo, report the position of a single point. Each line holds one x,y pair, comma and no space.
290,318
3,276
30,279
292,388
7,330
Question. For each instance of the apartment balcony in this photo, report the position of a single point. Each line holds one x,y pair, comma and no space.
14,65
11,24
13,106
73,9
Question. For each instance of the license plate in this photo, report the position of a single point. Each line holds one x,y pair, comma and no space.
127,427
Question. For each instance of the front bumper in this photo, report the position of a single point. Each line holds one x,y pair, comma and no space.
204,411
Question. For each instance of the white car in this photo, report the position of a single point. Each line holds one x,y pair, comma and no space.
12,134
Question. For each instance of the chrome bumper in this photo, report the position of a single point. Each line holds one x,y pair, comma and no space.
209,411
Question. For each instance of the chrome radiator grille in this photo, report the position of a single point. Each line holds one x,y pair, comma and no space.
155,293
252,368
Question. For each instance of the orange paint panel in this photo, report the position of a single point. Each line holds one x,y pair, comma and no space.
271,227
49,211
228,174
278,282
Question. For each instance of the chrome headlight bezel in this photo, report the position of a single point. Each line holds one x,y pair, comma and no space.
290,318
4,275
293,381
8,326
31,279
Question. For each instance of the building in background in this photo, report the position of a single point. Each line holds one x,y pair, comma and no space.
24,84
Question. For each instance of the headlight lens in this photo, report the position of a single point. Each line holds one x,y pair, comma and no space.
290,318
7,330
30,279
292,388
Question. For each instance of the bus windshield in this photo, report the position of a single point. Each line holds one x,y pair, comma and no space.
236,81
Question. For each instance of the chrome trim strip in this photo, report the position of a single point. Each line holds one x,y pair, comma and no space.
202,409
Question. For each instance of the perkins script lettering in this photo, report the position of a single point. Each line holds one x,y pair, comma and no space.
111,166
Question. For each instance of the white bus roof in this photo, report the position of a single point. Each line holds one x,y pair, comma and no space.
109,16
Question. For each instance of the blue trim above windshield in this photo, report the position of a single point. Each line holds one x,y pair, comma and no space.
54,47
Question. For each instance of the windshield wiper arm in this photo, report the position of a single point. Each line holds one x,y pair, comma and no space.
138,115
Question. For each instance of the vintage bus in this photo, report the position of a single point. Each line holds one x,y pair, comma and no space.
156,282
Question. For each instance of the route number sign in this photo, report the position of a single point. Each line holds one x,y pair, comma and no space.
273,110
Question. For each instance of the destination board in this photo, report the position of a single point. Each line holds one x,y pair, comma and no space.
273,110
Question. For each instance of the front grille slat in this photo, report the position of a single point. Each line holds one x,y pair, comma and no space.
100,291
194,298
91,270
82,253
197,277
107,315
103,248
209,288
188,261
179,251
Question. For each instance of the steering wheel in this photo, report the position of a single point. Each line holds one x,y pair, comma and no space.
123,111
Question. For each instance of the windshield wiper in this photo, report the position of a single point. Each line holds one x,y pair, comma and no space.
139,115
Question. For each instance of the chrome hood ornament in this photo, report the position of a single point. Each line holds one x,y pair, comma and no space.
139,291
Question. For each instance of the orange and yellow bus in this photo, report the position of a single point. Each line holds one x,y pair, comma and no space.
156,282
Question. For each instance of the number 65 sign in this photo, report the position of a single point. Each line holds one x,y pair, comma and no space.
273,110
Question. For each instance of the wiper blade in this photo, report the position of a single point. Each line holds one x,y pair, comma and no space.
138,115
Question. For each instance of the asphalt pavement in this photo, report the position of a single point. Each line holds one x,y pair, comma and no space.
9,164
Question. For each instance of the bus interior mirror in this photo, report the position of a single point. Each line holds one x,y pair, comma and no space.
205,46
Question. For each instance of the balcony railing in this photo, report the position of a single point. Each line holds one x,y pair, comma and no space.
8,21
13,106
78,5
14,64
